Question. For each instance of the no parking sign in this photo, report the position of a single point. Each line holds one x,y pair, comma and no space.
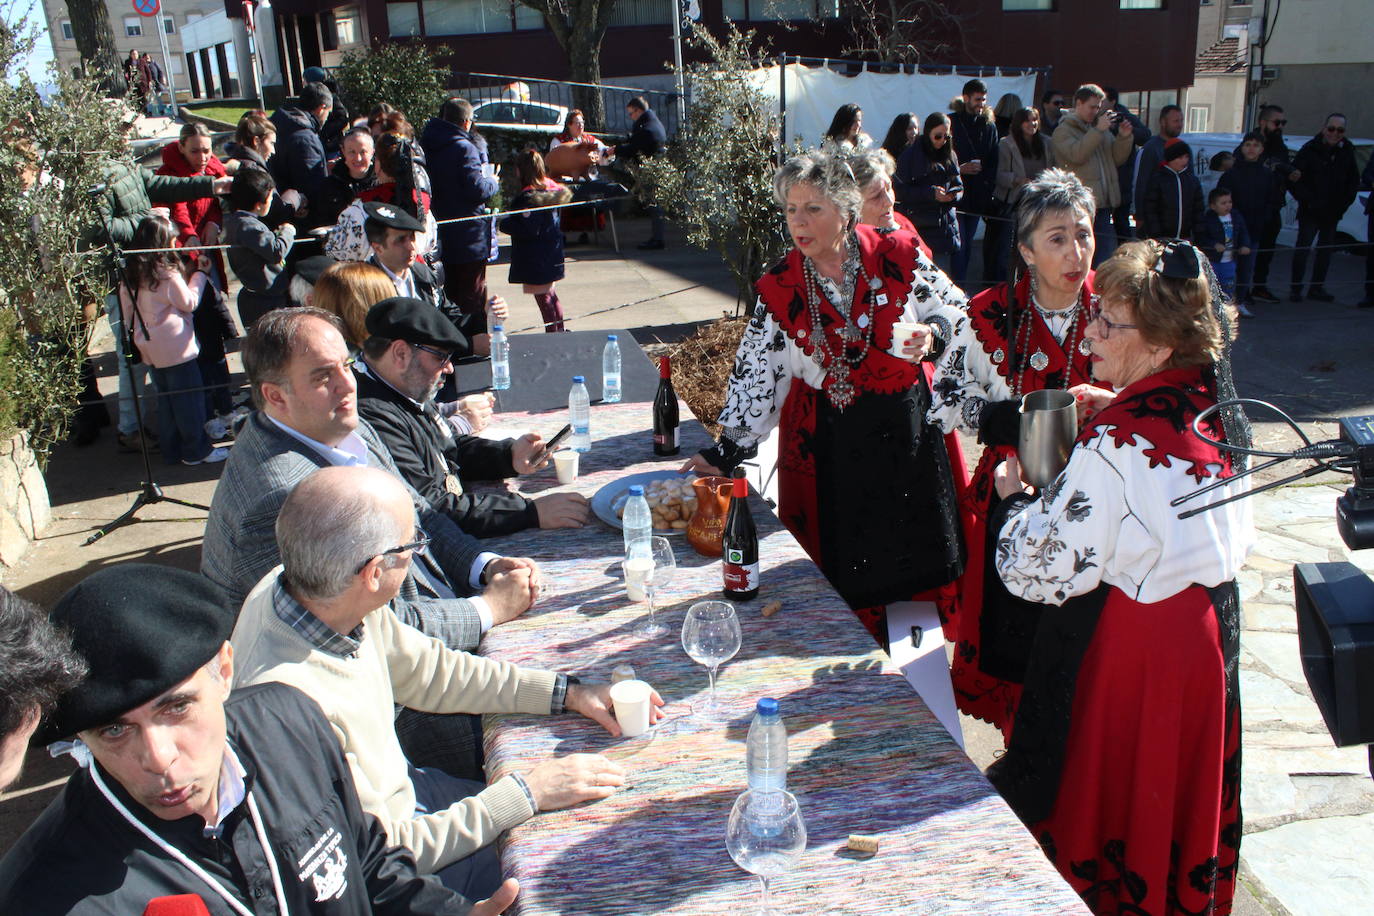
147,7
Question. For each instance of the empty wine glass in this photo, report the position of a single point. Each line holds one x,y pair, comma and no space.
711,635
655,578
766,836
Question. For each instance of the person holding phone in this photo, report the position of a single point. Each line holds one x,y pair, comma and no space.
408,352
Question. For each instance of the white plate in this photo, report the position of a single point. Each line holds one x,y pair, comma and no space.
608,499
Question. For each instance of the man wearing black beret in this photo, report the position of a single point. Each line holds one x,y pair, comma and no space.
391,233
410,350
247,804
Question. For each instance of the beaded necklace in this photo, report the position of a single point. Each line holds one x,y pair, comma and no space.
1040,360
838,387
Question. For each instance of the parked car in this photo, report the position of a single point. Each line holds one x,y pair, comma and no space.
1353,226
534,119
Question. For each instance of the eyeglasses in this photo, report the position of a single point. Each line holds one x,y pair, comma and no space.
1279,122
440,355
1107,324
419,547
1335,130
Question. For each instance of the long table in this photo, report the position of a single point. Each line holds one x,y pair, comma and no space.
865,755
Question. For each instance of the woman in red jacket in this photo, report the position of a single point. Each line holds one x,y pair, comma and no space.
198,221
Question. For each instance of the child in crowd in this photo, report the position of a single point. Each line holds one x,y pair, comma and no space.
1173,197
157,304
1225,238
536,258
1256,197
257,255
1222,161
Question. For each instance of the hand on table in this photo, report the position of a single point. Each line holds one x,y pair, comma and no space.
562,510
1007,478
567,781
699,464
527,454
476,408
513,585
498,902
1089,399
594,702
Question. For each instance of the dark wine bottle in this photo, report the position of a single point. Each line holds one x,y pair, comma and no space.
740,545
665,411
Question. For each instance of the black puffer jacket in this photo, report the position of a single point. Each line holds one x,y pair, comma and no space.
536,238
1329,179
299,162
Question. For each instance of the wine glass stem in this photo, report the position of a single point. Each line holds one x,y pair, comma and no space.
765,900
711,672
649,595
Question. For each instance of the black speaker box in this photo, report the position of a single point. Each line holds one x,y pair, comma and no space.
1335,605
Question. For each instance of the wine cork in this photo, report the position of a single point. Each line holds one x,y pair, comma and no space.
622,673
772,608
863,843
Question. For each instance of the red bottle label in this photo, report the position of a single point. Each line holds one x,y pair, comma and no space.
738,577
668,439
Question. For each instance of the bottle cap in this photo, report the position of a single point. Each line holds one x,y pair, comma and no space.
495,327
767,706
612,336
579,379
636,490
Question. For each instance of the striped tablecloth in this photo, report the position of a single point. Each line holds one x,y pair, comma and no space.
866,756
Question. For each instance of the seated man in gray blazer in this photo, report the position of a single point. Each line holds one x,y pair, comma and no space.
307,418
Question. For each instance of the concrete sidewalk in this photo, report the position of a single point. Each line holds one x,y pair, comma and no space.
1309,807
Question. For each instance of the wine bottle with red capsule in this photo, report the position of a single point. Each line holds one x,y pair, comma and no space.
740,545
665,411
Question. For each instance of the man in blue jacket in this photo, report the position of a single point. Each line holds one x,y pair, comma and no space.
464,181
974,132
647,138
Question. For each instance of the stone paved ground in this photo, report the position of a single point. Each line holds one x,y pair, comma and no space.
1309,806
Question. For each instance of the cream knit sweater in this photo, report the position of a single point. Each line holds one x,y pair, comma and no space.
395,664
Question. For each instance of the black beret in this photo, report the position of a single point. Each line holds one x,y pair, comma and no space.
142,629
392,216
309,269
414,321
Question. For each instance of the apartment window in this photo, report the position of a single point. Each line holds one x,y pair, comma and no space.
1014,5
133,26
169,25
642,12
526,18
403,19
1142,4
67,34
780,10
1198,116
346,27
466,17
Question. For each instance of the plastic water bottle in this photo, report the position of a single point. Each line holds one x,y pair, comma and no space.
765,750
610,371
580,408
500,359
638,523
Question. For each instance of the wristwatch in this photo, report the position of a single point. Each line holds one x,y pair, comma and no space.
562,682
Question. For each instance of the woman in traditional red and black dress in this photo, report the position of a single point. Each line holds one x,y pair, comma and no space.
863,479
1016,337
1125,756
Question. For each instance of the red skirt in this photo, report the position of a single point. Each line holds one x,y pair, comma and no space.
1147,816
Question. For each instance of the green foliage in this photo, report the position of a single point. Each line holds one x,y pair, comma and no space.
404,74
49,158
718,177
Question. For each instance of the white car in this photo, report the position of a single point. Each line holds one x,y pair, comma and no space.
538,119
1354,224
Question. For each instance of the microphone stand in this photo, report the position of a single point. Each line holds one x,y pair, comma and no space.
149,492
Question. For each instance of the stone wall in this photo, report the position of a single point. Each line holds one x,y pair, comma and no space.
24,509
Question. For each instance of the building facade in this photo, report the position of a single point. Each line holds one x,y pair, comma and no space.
207,52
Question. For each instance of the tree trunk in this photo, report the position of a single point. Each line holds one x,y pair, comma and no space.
584,66
96,43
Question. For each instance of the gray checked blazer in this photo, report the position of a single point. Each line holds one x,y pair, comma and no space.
241,543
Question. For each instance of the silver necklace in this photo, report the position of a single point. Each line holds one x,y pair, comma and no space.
838,386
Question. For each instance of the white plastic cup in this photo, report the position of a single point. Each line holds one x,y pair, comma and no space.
565,465
631,701
902,331
637,570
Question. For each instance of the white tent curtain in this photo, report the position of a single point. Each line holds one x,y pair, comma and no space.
813,94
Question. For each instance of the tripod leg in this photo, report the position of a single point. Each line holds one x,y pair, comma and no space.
140,501
182,502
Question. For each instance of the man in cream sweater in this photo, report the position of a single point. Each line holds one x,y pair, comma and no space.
321,622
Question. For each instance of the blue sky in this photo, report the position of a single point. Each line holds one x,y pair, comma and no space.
37,64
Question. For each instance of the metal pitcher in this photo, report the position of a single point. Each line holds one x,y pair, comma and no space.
1049,426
